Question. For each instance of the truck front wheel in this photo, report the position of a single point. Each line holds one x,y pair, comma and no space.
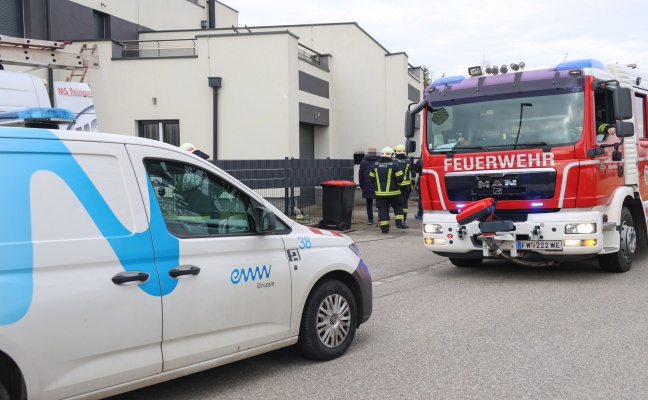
466,262
622,260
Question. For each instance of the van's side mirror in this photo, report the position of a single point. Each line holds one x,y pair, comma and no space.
622,98
409,124
624,129
264,220
410,146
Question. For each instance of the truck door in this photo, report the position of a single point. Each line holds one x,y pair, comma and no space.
76,224
226,288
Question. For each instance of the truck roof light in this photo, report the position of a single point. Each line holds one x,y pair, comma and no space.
584,63
515,67
495,70
37,115
475,71
503,69
575,72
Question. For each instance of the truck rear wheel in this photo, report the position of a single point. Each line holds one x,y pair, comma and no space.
466,262
621,261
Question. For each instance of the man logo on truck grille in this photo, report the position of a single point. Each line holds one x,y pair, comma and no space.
496,184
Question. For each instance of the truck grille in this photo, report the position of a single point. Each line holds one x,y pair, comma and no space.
513,185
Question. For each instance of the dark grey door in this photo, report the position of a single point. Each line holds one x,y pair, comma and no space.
306,141
306,151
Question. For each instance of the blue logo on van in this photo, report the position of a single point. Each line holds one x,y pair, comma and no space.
133,249
250,273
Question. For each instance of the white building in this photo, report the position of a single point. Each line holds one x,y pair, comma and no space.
267,92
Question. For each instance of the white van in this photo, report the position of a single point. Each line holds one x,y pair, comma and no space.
125,262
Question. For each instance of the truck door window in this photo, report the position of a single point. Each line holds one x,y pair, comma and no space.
196,203
640,112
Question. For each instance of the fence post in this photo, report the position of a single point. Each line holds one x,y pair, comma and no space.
292,186
286,186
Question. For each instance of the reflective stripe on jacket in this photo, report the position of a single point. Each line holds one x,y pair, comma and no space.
405,165
388,176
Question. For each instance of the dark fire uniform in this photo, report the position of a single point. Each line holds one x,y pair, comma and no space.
388,176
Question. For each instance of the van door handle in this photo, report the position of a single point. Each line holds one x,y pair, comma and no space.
130,276
184,270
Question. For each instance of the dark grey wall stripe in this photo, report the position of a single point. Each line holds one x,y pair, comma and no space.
314,85
313,115
413,94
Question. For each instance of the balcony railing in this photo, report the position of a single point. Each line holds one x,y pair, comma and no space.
157,48
313,57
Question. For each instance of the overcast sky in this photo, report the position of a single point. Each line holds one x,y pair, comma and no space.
449,36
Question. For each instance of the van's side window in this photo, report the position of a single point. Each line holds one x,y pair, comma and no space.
196,203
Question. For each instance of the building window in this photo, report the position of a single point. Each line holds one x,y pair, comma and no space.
167,131
11,18
99,24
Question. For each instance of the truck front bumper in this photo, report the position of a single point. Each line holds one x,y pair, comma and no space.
542,234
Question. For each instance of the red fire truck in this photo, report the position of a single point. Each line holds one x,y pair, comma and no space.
535,166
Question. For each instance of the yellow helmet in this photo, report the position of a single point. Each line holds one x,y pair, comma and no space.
386,152
400,149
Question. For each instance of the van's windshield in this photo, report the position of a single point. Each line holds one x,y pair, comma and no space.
515,122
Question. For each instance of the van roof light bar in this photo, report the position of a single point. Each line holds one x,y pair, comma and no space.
37,116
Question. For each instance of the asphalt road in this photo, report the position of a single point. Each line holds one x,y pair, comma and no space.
498,331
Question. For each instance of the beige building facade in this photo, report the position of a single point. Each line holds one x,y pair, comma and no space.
265,92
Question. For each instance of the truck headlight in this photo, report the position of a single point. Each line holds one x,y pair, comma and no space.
432,228
580,228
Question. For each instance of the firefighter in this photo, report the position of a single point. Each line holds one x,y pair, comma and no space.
388,176
405,186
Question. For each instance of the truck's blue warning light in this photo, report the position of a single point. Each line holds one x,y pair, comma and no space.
38,115
537,204
449,80
584,63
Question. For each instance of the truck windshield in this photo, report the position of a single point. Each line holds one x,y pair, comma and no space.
502,123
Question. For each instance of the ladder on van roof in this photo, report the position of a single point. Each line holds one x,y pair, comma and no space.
46,54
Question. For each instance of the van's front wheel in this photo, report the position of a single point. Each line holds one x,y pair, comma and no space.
329,321
621,261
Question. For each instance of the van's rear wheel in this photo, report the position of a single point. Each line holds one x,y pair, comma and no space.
621,261
466,262
329,321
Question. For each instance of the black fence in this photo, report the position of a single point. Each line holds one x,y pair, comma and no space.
292,185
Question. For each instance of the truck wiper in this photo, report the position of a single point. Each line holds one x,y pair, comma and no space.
526,145
471,147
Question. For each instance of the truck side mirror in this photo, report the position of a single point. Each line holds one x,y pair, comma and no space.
622,98
409,124
410,146
624,129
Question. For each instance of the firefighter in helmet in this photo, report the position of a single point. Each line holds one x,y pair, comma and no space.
405,186
388,176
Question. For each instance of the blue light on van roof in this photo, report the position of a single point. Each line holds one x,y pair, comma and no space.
35,117
449,80
585,63
59,115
